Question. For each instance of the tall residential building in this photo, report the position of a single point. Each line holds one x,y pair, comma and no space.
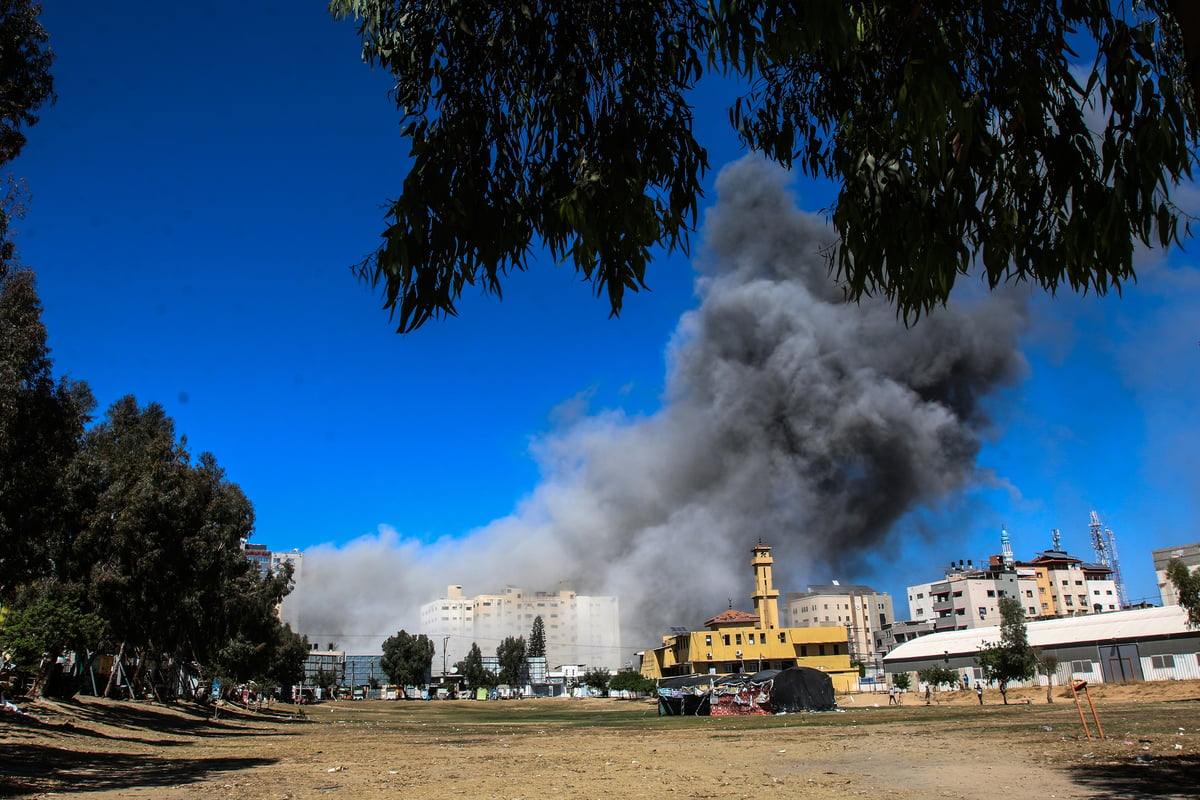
1064,586
580,629
268,560
272,561
1053,584
968,596
861,610
1189,554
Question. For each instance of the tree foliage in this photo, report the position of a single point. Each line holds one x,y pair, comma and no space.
41,423
629,681
957,135
511,656
407,658
537,638
901,681
597,678
25,61
472,669
1012,658
1187,588
938,676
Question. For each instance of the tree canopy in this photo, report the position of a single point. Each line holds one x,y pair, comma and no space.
1036,140
1187,587
511,657
1012,658
537,638
473,671
406,658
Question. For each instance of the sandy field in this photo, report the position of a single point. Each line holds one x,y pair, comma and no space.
589,749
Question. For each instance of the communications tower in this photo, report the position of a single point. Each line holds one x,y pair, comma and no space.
1104,542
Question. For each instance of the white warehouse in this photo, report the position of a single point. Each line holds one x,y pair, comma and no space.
1144,644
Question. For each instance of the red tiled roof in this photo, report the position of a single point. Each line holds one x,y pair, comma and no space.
732,616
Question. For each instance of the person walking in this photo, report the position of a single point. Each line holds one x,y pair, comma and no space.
979,691
893,696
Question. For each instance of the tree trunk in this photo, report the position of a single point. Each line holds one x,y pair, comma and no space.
113,671
47,666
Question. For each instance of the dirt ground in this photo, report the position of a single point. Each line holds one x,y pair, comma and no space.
589,749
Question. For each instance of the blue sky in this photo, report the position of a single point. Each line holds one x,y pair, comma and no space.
210,173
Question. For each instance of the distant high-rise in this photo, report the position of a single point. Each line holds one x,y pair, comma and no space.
580,629
271,561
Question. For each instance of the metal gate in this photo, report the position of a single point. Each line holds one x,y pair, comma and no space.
1120,663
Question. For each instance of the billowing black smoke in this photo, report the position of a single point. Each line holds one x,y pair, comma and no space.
790,417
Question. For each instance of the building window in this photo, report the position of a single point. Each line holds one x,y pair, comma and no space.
1068,599
1079,583
1162,662
991,592
962,612
804,651
820,649
737,637
1032,610
726,638
1081,667
1028,593
708,640
783,638
750,636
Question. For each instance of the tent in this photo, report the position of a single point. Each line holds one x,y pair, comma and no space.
802,689
767,692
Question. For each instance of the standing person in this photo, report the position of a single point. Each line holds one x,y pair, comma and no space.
979,691
893,696
928,693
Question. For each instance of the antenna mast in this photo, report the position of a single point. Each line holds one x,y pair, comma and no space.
1056,540
1104,542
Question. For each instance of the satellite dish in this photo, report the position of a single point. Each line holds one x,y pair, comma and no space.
453,670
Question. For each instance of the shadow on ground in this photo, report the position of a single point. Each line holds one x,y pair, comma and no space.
1160,777
33,768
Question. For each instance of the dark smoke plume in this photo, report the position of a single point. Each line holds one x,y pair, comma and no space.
789,417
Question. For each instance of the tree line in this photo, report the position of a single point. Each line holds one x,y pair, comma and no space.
407,660
114,540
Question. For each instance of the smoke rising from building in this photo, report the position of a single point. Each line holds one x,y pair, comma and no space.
789,416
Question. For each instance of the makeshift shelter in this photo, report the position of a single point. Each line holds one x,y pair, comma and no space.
738,695
687,696
802,689
767,692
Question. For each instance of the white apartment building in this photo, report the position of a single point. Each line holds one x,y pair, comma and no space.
1189,554
968,597
1063,586
580,629
863,611
1053,584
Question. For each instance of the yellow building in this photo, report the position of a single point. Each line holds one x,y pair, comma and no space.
736,641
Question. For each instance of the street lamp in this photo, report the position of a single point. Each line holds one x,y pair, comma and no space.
445,642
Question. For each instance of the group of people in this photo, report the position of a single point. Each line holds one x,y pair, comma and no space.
895,698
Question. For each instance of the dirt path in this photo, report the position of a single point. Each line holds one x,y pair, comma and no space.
600,748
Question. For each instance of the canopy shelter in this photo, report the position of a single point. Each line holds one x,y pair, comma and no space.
768,692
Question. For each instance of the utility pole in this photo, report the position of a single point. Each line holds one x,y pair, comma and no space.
445,643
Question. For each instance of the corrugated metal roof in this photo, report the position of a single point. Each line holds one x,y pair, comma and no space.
1134,624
